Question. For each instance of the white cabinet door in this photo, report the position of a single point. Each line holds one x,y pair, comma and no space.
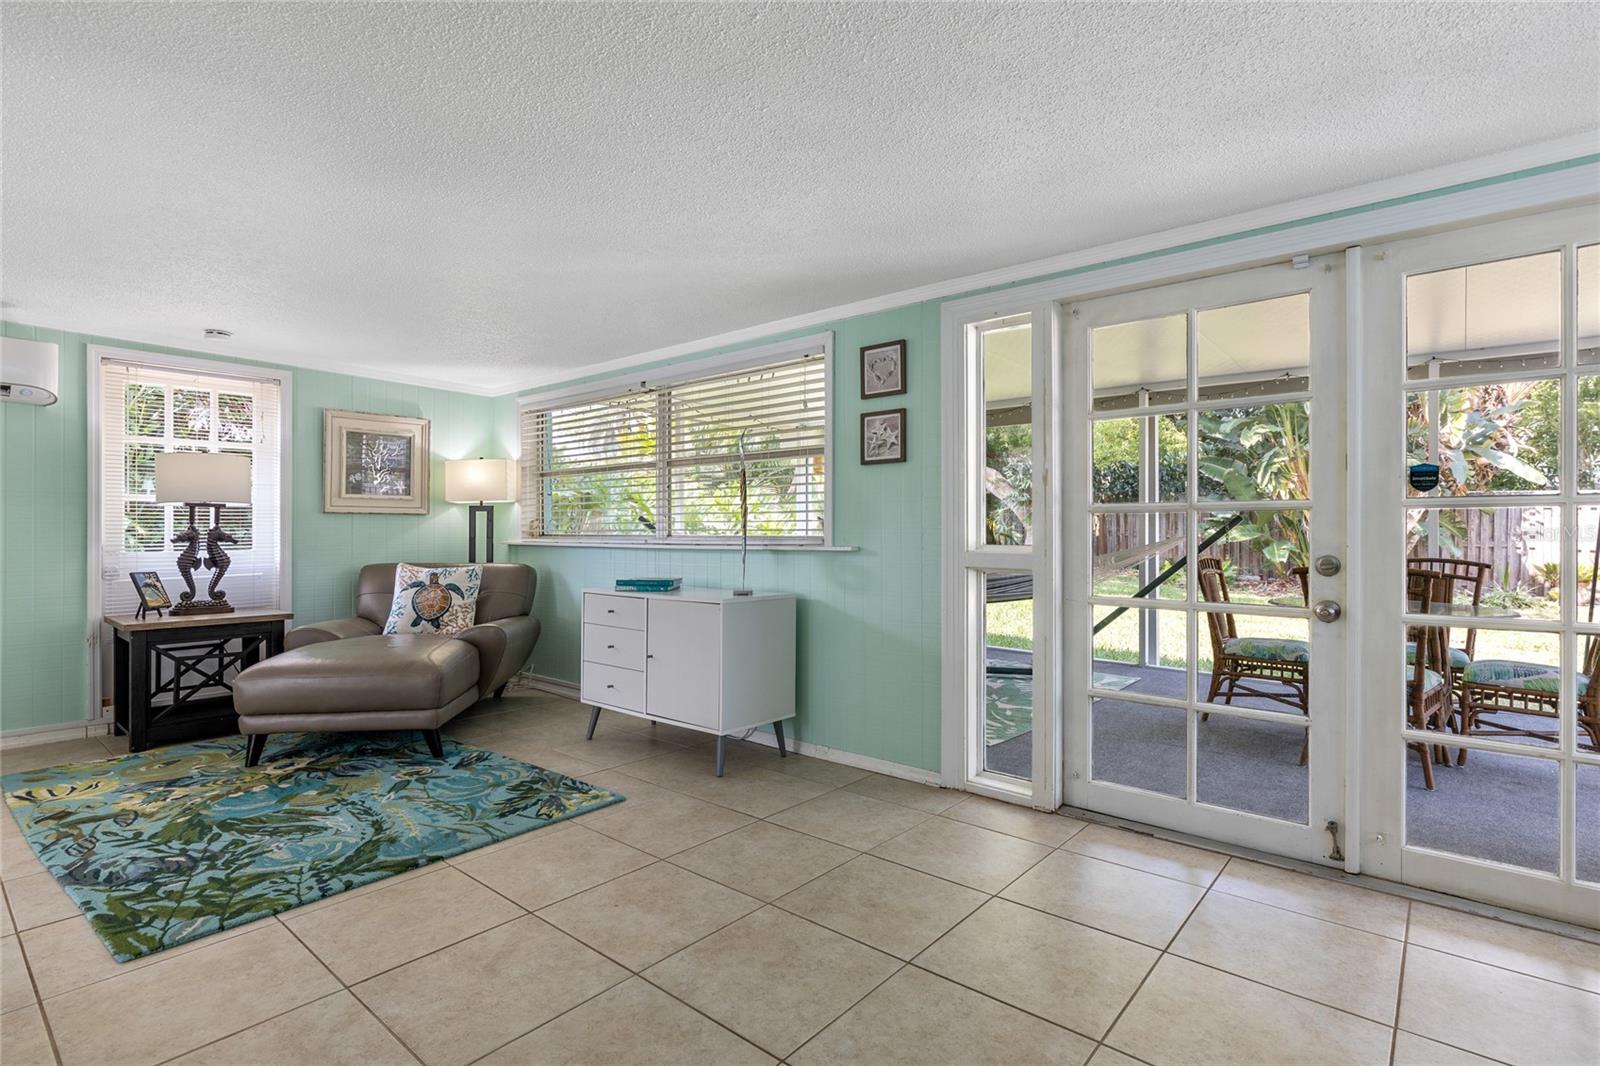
683,668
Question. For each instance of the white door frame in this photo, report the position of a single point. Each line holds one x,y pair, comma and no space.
1316,233
1379,446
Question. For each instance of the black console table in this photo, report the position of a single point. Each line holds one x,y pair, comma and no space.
181,657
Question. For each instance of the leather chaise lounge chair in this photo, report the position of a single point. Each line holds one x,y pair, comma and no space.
346,675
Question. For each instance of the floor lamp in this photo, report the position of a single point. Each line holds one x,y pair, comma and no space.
480,482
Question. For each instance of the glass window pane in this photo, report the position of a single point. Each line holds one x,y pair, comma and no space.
142,527
1588,823
1141,651
235,418
1488,438
1589,304
1246,764
1504,808
1589,433
146,410
1510,687
1141,460
191,414
1587,548
1138,550
1007,353
1264,554
1148,358
1503,316
1256,661
1254,349
1255,453
1008,673
1139,745
1505,561
139,463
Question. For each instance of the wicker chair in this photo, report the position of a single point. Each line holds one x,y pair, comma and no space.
1428,688
1503,686
1237,662
1457,573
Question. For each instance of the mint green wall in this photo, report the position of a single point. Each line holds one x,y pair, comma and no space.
868,655
43,516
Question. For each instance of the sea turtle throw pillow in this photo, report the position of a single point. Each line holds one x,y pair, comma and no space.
434,600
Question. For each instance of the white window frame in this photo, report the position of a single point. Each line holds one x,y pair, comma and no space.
96,356
684,373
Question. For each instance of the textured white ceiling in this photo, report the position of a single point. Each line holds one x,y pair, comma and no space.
486,195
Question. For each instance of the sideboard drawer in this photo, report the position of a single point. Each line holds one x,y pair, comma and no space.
613,646
624,611
612,686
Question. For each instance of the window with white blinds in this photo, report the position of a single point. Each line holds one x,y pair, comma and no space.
147,410
664,463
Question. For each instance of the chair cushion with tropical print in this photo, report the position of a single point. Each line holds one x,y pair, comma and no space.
1271,649
1549,682
1458,656
1430,681
1502,672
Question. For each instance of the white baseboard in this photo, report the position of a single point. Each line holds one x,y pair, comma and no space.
552,685
51,734
850,758
801,747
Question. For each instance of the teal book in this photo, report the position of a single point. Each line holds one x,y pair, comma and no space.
648,584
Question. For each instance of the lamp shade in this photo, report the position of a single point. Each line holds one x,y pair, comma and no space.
202,477
480,480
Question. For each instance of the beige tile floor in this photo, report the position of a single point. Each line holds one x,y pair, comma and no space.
800,911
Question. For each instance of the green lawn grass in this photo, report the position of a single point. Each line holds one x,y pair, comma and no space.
1010,625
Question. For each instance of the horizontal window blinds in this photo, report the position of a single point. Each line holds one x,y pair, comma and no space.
665,462
778,415
148,410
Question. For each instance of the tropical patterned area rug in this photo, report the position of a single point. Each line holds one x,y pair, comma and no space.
175,843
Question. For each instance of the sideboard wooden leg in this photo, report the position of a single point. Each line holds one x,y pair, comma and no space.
722,753
594,720
777,729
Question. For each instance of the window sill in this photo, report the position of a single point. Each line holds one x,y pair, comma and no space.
656,545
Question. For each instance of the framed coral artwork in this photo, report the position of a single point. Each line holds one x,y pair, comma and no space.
374,464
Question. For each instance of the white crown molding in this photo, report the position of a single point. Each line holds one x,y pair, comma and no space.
1289,212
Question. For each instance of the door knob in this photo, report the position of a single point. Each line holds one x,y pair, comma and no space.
1327,611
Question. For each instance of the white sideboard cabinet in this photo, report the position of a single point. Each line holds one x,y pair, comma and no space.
701,659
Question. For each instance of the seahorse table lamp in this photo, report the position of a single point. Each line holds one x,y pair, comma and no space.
203,479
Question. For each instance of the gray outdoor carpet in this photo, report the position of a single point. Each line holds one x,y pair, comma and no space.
1496,807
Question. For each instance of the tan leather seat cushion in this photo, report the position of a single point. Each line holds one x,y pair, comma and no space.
380,673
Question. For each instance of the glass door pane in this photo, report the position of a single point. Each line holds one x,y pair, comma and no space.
1008,673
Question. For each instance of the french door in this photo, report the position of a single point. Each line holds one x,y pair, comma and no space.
1481,401
1202,457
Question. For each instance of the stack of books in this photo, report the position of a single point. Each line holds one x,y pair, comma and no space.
648,584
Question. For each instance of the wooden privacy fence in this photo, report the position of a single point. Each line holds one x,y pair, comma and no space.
1514,541
1122,531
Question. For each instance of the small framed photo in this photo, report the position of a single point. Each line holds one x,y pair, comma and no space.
152,593
883,369
374,464
883,437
